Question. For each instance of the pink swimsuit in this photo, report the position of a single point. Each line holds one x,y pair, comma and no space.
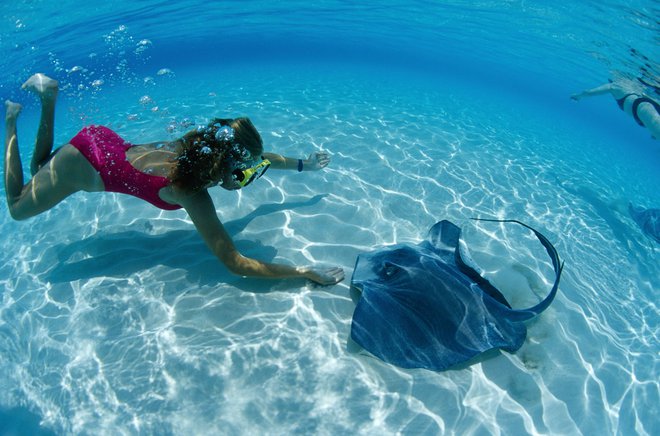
106,151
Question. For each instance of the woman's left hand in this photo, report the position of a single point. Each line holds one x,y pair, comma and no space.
316,161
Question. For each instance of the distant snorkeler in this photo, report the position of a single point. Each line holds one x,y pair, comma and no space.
632,99
170,175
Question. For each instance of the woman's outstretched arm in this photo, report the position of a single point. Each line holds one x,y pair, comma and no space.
202,212
599,90
316,161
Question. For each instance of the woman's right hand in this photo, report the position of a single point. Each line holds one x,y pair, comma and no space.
325,276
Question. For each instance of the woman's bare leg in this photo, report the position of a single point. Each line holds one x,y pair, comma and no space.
13,165
46,89
67,172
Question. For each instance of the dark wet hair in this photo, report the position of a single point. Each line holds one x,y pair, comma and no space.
208,152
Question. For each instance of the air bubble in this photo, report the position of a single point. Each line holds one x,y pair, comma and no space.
142,46
225,133
165,72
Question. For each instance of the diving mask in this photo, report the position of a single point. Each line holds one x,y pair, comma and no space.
246,176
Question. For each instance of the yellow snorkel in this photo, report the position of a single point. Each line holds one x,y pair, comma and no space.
248,175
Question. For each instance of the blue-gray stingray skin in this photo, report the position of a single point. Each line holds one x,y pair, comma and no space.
647,219
422,306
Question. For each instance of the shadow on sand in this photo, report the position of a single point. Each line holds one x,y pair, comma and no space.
125,253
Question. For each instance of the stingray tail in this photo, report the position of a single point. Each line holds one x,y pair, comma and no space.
525,314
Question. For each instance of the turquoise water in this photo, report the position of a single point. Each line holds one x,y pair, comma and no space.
116,319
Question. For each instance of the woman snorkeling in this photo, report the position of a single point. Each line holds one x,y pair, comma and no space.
631,99
169,175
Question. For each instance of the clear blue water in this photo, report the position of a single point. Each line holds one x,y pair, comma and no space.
115,318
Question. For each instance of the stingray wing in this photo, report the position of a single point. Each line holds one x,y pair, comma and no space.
647,219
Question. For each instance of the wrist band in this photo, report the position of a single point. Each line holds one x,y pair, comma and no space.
300,165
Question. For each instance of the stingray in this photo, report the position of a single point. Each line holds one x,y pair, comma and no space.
427,305
647,219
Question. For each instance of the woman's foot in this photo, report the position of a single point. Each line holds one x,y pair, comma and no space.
42,85
13,109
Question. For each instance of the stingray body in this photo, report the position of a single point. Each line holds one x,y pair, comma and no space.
427,306
647,219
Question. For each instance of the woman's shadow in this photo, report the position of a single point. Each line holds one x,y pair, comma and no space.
125,253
